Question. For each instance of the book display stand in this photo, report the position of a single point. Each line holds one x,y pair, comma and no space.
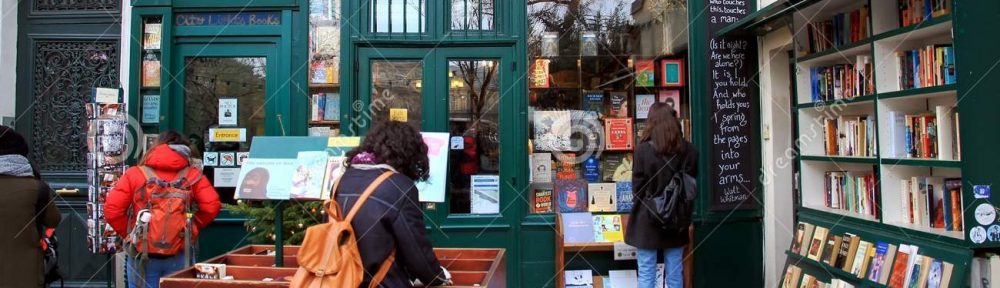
252,266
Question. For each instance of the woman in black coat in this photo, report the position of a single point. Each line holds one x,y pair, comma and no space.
391,219
661,152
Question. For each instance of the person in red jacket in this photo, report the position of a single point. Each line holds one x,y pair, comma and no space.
167,159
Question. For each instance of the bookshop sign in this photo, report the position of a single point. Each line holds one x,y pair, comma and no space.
733,110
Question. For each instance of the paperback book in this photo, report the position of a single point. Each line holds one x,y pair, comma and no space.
572,195
603,197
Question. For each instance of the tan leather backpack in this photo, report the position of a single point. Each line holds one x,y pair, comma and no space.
329,256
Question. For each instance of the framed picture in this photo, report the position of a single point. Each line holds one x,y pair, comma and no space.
673,72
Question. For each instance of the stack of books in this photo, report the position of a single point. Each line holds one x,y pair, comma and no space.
855,192
915,11
932,202
842,81
932,65
850,136
842,29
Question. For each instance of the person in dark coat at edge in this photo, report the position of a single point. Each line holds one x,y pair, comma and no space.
662,150
391,217
27,208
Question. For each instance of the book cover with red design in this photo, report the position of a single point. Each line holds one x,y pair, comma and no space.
619,133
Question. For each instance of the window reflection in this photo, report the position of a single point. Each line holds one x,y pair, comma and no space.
472,14
398,16
473,96
397,86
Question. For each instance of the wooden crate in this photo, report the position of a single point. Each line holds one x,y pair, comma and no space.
249,265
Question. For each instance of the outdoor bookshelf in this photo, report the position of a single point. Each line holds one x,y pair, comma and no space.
890,97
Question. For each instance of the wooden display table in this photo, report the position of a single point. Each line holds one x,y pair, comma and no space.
250,265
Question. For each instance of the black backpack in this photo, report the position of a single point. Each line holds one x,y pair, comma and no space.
675,204
50,255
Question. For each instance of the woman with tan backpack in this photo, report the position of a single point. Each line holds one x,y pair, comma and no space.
381,241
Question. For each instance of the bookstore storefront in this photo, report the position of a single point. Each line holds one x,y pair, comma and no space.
567,85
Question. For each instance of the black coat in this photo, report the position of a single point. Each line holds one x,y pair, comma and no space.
391,217
650,175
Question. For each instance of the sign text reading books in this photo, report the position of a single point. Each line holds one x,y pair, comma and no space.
733,109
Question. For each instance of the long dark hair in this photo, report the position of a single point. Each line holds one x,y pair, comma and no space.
663,130
171,137
399,145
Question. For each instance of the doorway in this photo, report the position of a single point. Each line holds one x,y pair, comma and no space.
459,91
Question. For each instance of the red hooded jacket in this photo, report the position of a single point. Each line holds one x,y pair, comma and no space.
167,164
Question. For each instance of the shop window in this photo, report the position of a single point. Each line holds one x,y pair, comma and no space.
324,67
398,16
474,103
209,80
472,15
397,89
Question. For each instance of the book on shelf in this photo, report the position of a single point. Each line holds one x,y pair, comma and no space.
579,278
931,65
550,44
855,192
816,245
932,202
618,133
572,195
150,71
566,168
591,169
839,283
841,29
927,135
901,265
619,104
603,197
151,36
859,258
849,135
577,227
552,130
542,202
842,81
593,101
851,256
642,104
800,236
539,77
644,73
792,275
806,240
869,257
324,71
608,228
324,107
623,196
830,251
623,278
912,12
884,254
332,110
541,167
843,249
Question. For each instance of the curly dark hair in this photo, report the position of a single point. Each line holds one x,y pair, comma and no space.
399,145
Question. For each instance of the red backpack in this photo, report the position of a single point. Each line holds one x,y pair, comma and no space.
169,204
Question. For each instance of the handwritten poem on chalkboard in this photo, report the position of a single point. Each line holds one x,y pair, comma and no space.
733,104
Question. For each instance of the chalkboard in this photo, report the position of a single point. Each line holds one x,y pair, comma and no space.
733,104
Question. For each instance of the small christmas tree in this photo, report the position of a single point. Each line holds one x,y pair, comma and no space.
298,215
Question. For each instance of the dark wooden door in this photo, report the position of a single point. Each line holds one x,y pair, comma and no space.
64,48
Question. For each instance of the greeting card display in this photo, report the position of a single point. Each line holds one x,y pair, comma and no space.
107,130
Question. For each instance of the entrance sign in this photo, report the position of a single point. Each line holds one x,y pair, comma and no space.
732,110
227,135
433,189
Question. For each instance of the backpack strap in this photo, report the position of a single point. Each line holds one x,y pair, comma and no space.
147,172
383,270
368,192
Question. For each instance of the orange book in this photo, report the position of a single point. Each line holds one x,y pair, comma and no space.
899,268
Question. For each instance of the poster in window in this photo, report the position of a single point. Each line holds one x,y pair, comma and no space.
619,133
150,109
266,179
619,104
673,72
434,188
485,194
644,73
552,130
672,98
588,43
227,111
642,104
150,72
151,36
540,73
550,44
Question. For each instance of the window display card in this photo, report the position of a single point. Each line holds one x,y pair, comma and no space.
227,158
227,111
226,177
150,109
434,188
485,194
210,159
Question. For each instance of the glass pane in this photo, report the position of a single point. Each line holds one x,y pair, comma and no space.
396,90
324,41
473,96
208,79
398,16
472,14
